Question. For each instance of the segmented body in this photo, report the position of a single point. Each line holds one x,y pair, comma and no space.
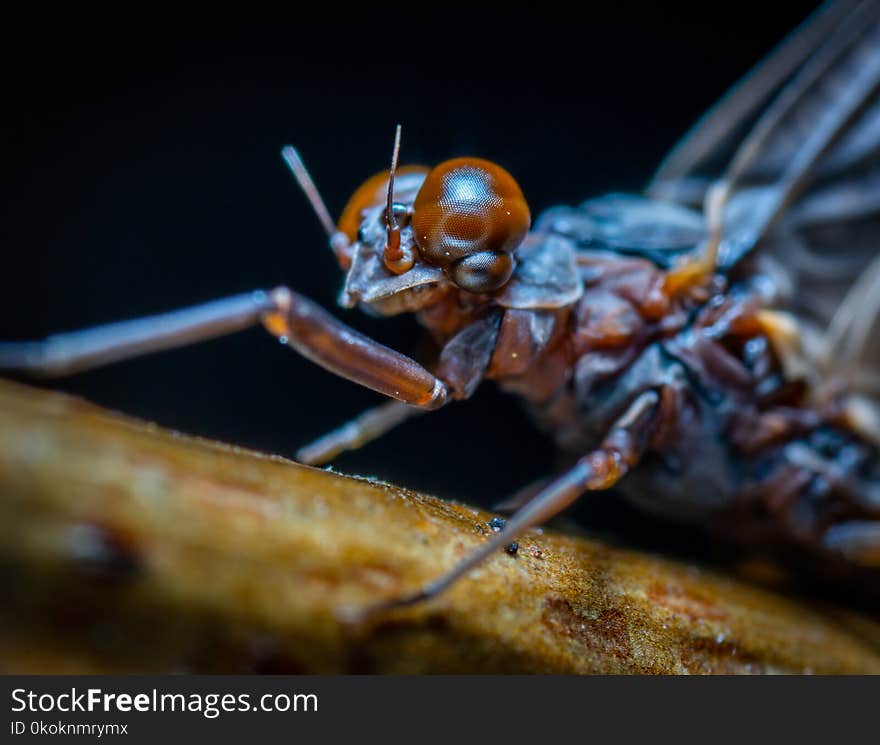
740,443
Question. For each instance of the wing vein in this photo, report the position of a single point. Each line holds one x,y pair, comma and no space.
744,98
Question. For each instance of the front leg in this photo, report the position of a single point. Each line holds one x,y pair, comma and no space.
76,351
462,365
310,330
297,321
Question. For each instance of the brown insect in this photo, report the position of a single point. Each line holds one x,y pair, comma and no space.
709,348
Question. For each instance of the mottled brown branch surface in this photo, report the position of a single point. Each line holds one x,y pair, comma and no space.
125,547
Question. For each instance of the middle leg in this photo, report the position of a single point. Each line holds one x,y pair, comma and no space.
357,432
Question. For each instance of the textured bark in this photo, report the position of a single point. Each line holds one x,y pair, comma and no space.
124,547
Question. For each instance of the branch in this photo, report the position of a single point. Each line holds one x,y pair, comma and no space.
124,547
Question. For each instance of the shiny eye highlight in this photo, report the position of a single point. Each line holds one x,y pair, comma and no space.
468,217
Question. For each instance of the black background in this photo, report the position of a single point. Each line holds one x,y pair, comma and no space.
141,172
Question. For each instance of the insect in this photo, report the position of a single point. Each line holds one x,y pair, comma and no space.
709,348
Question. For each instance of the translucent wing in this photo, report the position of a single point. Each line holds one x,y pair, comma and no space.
795,149
705,151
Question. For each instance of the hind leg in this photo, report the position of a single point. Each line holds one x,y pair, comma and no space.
621,449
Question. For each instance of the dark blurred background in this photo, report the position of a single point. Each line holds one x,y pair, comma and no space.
141,172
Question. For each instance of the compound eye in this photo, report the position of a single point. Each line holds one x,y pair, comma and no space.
482,272
373,192
468,206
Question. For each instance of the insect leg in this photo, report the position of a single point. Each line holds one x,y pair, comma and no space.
310,330
368,426
619,451
461,366
68,353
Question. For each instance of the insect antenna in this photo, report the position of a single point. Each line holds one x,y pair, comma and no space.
397,258
304,179
392,244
